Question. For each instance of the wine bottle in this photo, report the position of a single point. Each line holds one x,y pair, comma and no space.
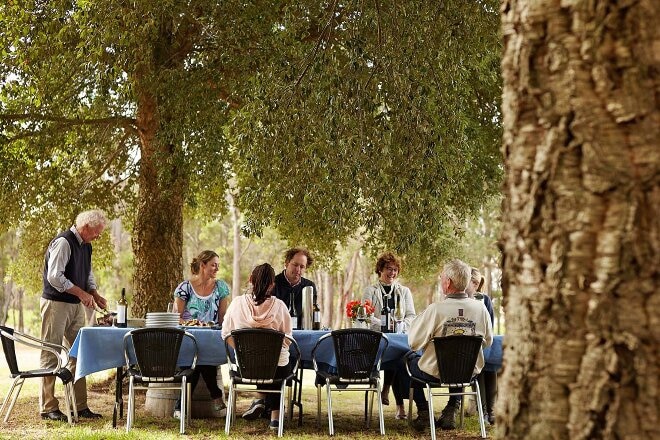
122,309
316,320
385,315
294,315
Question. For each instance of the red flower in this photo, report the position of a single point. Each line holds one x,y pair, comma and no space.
353,306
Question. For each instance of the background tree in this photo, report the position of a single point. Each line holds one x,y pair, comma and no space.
581,235
336,118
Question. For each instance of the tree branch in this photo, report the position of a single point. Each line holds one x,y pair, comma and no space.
120,120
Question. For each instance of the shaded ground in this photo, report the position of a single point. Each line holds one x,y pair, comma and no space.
25,422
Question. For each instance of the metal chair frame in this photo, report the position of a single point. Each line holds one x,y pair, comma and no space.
178,380
240,378
367,381
9,338
450,378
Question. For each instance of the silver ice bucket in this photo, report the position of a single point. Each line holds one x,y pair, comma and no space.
307,307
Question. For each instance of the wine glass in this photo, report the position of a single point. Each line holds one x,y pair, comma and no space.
361,316
398,317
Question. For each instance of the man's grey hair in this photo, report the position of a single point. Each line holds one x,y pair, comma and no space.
459,273
93,218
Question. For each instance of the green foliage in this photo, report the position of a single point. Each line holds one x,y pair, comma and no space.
337,120
391,126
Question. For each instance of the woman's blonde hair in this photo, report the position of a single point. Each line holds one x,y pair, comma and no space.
203,257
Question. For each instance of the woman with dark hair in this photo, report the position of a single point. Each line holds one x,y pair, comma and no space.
388,290
257,308
203,298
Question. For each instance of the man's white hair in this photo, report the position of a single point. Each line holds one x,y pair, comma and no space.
93,218
459,273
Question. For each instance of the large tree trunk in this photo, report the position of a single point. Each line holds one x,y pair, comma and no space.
581,234
158,231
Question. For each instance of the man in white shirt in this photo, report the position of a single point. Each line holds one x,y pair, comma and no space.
457,314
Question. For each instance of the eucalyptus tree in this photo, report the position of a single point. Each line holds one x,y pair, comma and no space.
581,235
336,118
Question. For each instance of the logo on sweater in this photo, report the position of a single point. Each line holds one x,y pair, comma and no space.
459,326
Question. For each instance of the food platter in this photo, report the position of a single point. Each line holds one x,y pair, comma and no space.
200,327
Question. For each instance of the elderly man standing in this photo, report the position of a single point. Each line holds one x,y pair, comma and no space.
458,314
68,285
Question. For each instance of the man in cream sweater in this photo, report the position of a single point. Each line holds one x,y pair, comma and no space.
456,315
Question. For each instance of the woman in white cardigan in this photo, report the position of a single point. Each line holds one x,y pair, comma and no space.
387,289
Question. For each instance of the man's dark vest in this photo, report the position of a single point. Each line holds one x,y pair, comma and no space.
77,269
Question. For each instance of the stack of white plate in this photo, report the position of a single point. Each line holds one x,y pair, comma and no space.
162,319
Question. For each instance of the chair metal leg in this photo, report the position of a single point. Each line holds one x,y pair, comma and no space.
184,407
462,408
131,404
280,427
368,408
231,407
381,417
189,403
17,382
482,424
318,406
331,428
289,400
410,404
298,395
429,394
67,403
74,404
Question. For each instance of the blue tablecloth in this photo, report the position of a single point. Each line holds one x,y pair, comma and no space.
101,348
493,354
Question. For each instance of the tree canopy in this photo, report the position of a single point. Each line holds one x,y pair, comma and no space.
332,118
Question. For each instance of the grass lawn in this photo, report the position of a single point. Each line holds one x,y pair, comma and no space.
25,422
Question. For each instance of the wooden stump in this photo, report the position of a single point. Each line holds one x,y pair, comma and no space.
160,402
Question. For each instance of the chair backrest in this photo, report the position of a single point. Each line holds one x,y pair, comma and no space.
357,352
457,356
9,349
156,350
257,352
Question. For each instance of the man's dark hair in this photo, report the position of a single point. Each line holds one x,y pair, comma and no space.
289,254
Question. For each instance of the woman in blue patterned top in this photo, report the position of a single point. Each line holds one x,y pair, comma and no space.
203,298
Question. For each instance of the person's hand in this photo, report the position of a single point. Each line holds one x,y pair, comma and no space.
86,299
102,302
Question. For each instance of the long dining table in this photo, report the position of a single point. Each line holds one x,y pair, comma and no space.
102,348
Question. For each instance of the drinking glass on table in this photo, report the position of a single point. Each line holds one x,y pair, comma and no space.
398,318
361,317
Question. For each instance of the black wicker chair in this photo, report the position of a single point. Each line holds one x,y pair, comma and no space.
256,354
456,357
358,353
9,338
156,351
